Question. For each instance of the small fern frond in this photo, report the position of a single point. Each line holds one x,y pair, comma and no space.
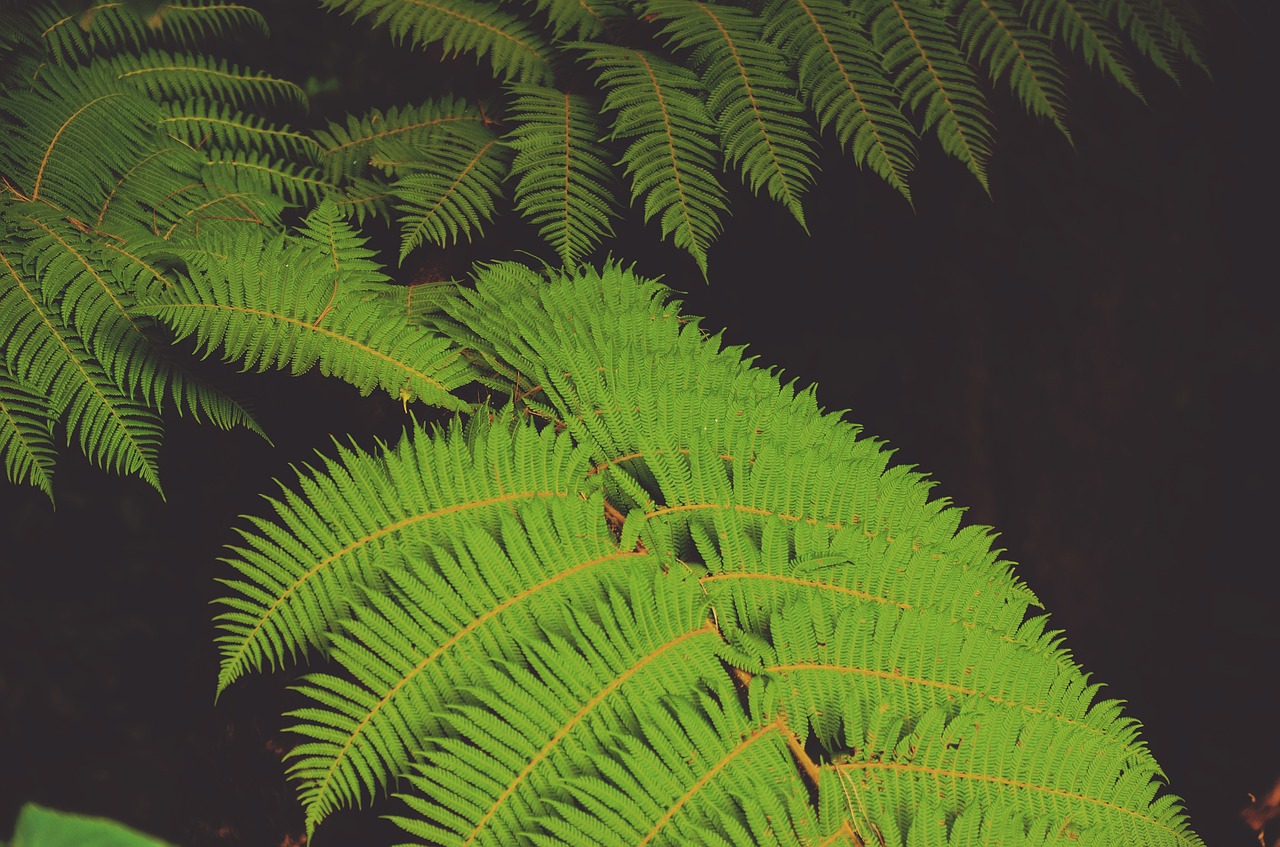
1084,26
670,158
175,76
298,184
448,188
526,723
347,149
198,123
759,119
993,31
103,27
565,186
515,50
49,360
579,19
920,50
26,435
281,303
841,78
1159,32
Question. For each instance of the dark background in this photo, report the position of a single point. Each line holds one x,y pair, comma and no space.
1086,361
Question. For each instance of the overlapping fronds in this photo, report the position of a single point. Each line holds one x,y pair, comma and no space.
565,185
757,114
840,75
729,621
514,48
284,303
447,188
670,150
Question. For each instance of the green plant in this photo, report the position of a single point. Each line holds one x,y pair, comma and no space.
645,593
40,827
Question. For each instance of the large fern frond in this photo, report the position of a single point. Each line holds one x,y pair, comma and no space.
174,76
759,119
515,49
669,158
565,186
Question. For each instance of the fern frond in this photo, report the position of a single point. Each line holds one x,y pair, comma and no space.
198,123
659,106
759,119
579,19
448,189
347,149
529,723
105,27
280,303
565,185
697,771
26,435
515,50
841,78
1084,26
479,591
993,31
921,50
1158,30
49,360
72,134
298,184
175,76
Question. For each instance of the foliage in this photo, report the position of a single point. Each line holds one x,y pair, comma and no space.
40,827
647,592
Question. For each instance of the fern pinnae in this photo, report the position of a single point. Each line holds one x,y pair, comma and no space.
840,76
515,50
993,31
26,435
347,149
564,186
169,76
1083,26
920,49
660,107
198,122
758,116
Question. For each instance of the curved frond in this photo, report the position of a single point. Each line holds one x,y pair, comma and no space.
579,18
758,116
565,185
102,27
48,359
199,123
993,31
659,107
284,303
348,149
26,435
300,573
447,188
920,49
515,50
841,78
300,185
175,76
1084,26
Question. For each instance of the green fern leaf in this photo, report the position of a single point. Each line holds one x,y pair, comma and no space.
198,123
280,303
841,78
920,49
1158,30
173,76
49,360
579,18
515,50
104,27
758,116
659,107
564,184
448,188
1084,26
993,31
26,435
348,149
300,185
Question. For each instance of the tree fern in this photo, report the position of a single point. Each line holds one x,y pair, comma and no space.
737,625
